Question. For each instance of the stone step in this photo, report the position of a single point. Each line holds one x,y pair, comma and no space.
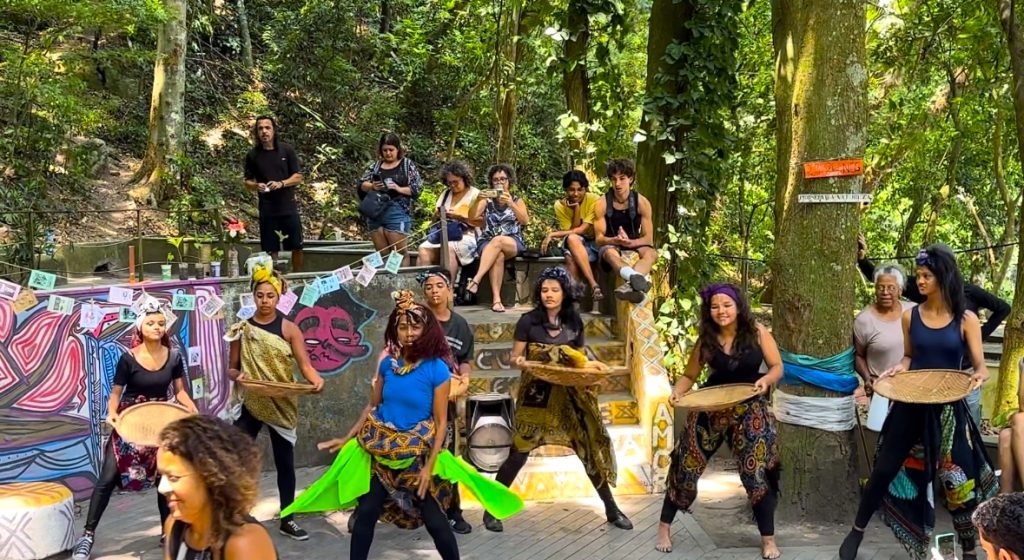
489,356
507,381
993,350
548,477
489,326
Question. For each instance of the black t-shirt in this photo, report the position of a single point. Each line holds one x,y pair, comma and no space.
530,328
460,338
138,380
264,166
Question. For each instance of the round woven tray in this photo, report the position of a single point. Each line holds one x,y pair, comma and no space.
925,386
718,397
276,388
593,374
142,423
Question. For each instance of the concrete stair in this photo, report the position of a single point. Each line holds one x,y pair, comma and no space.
554,471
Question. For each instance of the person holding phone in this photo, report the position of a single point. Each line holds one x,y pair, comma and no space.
922,442
457,203
575,215
504,216
398,177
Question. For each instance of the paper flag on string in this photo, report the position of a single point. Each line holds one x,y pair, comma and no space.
246,313
211,306
194,356
328,284
344,274
42,280
9,290
61,304
121,296
89,316
169,317
394,262
310,294
374,260
246,300
286,302
126,315
183,302
366,275
198,389
26,300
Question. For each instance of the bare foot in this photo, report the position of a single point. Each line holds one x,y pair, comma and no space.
769,550
664,538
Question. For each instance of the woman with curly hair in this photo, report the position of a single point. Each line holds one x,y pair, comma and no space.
147,372
456,202
732,344
267,347
549,414
392,464
210,478
922,442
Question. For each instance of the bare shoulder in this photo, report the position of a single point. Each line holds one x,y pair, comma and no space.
599,204
643,202
970,318
250,542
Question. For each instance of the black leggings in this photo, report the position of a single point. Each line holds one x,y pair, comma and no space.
517,460
368,512
284,457
764,512
105,487
899,438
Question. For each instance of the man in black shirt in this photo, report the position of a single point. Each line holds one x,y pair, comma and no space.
272,170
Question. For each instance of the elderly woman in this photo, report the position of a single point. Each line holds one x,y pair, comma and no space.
399,179
877,331
456,202
504,218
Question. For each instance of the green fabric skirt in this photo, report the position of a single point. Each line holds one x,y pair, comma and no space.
349,478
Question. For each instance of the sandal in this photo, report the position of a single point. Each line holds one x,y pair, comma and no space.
596,292
498,307
472,286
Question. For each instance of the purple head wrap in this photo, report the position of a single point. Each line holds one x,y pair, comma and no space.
712,290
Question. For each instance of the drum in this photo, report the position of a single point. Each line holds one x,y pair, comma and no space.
490,430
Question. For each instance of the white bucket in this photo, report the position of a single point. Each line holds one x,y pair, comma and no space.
877,412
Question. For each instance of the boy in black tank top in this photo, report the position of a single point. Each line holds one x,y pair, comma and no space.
623,221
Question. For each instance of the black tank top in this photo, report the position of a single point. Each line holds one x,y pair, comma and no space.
180,550
725,368
621,218
273,327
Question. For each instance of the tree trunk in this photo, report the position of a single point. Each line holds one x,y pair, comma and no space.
511,52
821,101
243,31
575,79
667,26
1013,336
1009,203
155,177
385,16
956,149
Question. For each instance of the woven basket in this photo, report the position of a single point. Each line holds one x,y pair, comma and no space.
718,397
275,388
592,374
142,423
458,387
925,386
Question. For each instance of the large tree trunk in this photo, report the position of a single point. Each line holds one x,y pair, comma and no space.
1013,337
821,100
514,30
575,79
1009,203
167,107
243,31
666,27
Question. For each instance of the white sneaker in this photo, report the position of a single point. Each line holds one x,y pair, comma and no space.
83,548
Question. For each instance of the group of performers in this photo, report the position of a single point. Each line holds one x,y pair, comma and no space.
395,463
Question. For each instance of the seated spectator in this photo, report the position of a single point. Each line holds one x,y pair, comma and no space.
1000,524
456,202
623,222
1011,444
504,215
575,215
398,178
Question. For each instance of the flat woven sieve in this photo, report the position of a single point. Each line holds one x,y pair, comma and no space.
593,374
925,386
275,388
718,397
142,423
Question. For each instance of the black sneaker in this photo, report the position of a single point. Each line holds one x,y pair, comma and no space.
460,525
640,283
492,524
292,530
627,293
83,548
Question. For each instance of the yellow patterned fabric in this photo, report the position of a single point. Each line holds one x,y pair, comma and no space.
261,274
266,357
549,414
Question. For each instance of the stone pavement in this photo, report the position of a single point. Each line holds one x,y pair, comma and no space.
544,530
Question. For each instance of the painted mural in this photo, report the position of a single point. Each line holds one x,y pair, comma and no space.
334,330
55,378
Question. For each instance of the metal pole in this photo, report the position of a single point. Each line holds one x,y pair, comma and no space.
138,236
444,239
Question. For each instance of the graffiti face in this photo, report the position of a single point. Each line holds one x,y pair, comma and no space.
332,337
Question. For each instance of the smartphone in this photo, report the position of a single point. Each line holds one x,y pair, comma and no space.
490,193
945,546
375,178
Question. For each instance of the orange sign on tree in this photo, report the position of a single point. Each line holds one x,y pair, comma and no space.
833,168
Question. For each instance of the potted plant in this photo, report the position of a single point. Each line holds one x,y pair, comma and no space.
234,229
165,269
216,255
182,265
